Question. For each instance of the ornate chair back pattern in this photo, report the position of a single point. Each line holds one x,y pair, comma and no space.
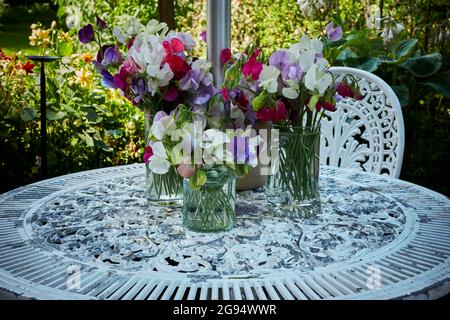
366,135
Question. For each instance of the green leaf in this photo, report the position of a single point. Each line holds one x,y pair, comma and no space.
440,84
371,64
65,48
102,145
28,114
52,116
402,94
424,66
404,48
87,138
91,115
345,54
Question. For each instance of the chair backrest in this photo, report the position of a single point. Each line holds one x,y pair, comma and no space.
366,135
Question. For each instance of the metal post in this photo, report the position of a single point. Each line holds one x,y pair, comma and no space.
43,124
218,34
43,60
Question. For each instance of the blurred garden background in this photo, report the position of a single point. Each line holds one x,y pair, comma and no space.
404,42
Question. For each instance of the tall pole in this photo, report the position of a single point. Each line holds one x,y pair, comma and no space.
218,34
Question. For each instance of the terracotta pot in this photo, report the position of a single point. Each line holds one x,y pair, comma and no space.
254,179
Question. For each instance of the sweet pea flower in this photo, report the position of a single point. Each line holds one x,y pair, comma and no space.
334,34
317,78
171,94
139,87
252,67
86,34
148,153
185,170
224,94
178,66
107,80
203,36
158,162
112,56
225,56
163,125
268,78
101,24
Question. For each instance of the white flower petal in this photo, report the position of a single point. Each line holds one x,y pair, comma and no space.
289,93
159,165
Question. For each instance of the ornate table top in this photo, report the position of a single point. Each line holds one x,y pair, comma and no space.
376,237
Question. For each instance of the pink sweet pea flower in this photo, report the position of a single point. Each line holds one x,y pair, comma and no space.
185,170
252,67
265,114
148,154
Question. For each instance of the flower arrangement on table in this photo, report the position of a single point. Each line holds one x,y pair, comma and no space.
293,90
154,68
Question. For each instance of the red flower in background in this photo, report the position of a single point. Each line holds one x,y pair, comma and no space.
28,67
224,93
272,114
344,90
148,154
3,56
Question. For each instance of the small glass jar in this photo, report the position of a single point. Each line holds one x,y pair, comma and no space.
161,189
211,207
293,188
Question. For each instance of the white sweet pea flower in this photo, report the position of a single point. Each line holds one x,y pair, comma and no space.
158,162
317,78
307,44
268,78
154,27
131,27
289,93
164,126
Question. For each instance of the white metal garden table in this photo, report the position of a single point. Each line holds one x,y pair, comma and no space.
91,235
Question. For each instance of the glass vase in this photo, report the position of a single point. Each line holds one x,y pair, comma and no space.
211,207
292,189
161,189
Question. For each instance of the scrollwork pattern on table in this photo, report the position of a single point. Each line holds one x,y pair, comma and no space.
109,223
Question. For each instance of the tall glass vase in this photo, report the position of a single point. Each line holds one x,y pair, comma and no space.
211,207
161,189
293,188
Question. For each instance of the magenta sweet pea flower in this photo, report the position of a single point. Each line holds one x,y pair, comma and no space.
171,94
280,112
265,114
86,34
225,55
148,154
224,93
252,67
334,34
121,80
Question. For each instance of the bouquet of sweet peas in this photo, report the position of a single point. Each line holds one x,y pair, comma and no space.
150,65
293,86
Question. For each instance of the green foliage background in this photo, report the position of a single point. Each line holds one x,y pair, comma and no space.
91,130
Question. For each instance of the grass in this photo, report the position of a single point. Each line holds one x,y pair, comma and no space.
15,26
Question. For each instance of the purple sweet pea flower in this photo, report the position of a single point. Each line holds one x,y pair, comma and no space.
98,67
86,34
159,115
334,34
108,79
101,24
139,87
292,72
203,36
279,59
112,56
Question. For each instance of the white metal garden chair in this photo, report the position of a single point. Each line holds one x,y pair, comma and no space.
366,135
